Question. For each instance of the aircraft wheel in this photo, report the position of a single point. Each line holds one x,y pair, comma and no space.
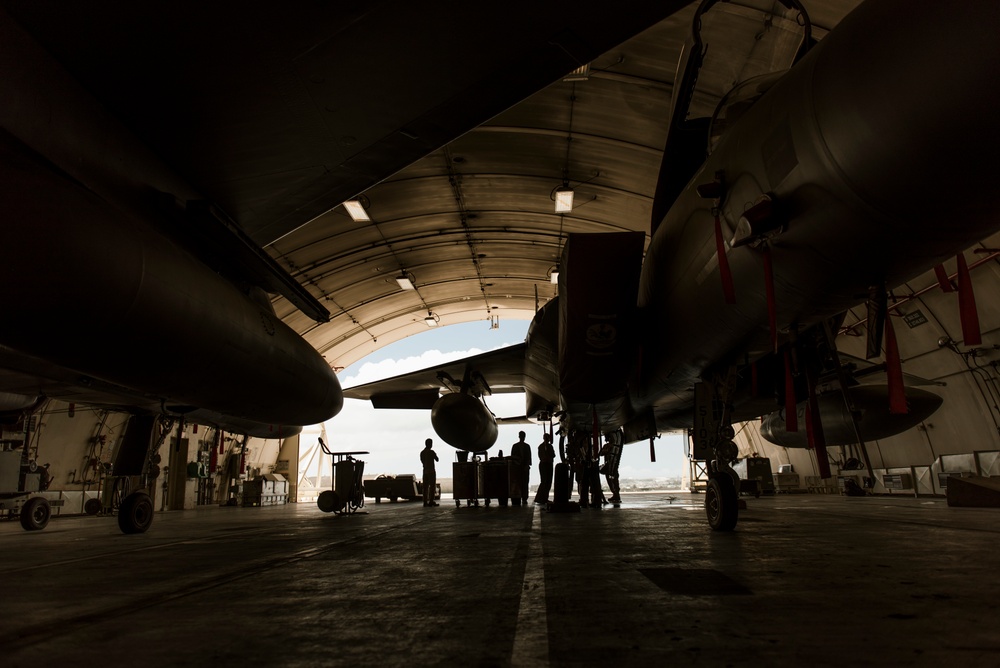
93,506
35,514
135,514
721,505
329,502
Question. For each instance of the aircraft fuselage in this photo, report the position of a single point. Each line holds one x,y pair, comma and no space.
874,180
101,305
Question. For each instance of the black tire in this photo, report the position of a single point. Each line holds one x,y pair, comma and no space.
135,514
721,505
93,506
35,514
329,502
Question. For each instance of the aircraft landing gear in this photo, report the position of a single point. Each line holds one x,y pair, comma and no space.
713,439
135,514
35,514
721,504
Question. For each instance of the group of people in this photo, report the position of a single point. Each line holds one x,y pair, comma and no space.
584,466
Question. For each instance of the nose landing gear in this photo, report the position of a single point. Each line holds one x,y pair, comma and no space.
713,434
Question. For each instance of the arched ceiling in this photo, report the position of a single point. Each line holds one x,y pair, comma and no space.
441,115
474,224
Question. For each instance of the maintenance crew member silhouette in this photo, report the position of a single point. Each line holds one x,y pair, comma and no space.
546,459
427,458
612,453
520,454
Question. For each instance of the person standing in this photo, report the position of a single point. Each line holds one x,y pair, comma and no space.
612,453
546,459
597,499
427,458
520,455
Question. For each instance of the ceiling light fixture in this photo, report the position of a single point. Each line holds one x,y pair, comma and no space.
356,210
432,319
564,198
581,73
405,280
554,275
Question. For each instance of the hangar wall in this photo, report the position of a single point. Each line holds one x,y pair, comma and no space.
961,436
76,444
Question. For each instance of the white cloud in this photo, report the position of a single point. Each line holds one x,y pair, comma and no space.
372,371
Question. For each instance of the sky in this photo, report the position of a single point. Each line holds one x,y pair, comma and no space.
394,438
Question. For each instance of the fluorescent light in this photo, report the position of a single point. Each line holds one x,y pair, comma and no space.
431,320
356,211
581,73
564,199
405,282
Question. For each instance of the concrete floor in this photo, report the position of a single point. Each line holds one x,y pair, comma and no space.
804,580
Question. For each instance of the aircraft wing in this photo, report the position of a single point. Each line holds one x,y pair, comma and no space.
278,112
502,370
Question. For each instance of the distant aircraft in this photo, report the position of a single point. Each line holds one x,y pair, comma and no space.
872,160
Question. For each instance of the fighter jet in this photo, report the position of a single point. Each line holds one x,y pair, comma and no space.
824,187
149,152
